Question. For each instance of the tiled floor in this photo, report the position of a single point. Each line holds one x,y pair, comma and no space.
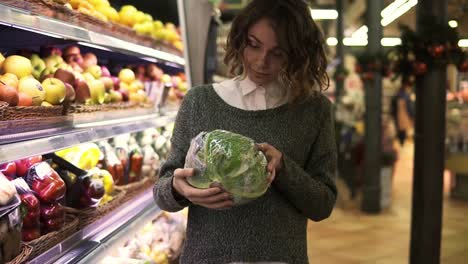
350,236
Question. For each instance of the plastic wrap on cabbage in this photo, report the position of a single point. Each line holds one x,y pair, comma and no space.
231,160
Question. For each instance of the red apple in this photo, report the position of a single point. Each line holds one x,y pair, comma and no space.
82,92
124,94
89,59
8,94
105,71
24,99
70,93
65,76
108,83
47,51
116,81
76,66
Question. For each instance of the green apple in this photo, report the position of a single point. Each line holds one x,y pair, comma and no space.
18,65
53,61
33,88
88,77
107,98
38,66
115,96
2,59
95,70
55,90
97,90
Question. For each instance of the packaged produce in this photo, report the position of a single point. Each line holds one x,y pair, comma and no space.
84,156
112,163
83,190
52,217
45,182
10,229
150,162
231,160
9,170
30,209
135,158
23,165
122,155
7,190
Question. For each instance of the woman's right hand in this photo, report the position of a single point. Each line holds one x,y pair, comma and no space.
214,197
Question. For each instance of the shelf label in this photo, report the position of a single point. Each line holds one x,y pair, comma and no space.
117,130
83,137
57,142
102,133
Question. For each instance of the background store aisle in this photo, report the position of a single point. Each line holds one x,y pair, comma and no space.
350,236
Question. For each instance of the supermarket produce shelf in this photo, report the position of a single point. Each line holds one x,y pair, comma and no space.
23,19
104,127
97,234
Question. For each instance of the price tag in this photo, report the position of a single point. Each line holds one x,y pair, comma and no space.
102,133
83,137
117,130
58,142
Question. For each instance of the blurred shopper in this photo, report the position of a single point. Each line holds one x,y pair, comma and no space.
403,113
277,99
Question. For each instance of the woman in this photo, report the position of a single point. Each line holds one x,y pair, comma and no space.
279,50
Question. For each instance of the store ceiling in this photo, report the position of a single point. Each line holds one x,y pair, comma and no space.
355,11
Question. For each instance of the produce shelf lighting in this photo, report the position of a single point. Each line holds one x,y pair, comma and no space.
394,13
321,14
390,42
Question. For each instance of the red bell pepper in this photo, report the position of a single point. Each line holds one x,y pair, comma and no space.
31,203
29,234
23,165
54,224
9,170
46,182
52,211
136,164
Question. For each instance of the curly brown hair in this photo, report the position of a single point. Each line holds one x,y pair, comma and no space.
304,73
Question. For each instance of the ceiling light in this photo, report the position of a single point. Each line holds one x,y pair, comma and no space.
320,14
390,42
453,23
360,32
355,42
387,19
463,43
332,41
392,7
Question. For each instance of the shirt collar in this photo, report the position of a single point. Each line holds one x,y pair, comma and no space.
273,89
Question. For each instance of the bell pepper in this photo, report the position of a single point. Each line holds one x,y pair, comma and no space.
9,170
54,224
46,182
29,234
136,164
52,211
23,165
31,203
92,191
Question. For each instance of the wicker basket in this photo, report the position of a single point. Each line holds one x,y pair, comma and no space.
49,240
81,108
23,255
31,112
3,108
90,215
133,189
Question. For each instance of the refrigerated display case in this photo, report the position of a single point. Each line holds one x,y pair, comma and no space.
27,29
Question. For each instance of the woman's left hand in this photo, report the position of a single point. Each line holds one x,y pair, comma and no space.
274,157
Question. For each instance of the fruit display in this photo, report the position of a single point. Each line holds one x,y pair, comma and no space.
56,77
129,16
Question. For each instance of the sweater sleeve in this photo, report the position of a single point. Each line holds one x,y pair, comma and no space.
311,189
165,195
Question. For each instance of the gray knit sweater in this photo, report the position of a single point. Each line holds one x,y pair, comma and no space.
273,227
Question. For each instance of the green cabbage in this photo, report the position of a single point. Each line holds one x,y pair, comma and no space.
231,160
